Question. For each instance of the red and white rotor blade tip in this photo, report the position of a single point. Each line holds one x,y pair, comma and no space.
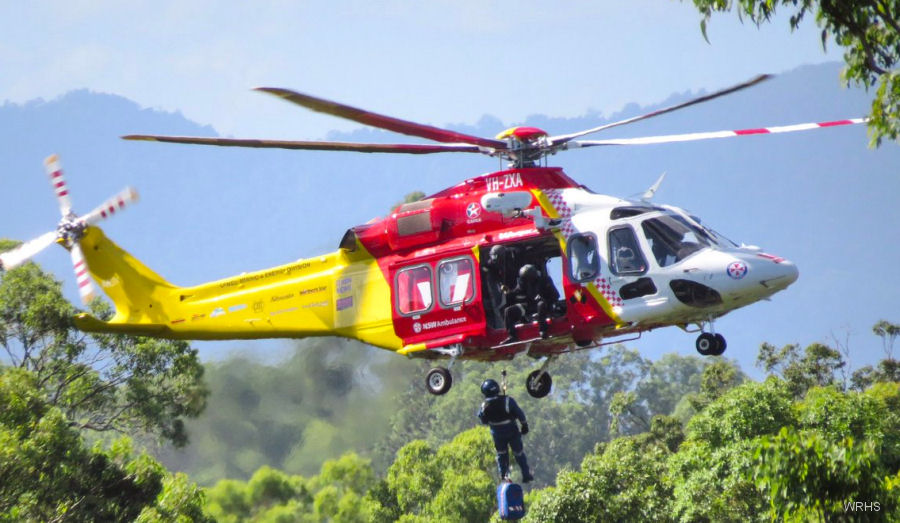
54,171
82,276
690,137
111,206
26,251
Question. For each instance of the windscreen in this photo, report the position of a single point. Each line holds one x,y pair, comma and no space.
672,238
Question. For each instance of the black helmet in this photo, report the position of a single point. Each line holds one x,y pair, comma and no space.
497,252
529,272
490,388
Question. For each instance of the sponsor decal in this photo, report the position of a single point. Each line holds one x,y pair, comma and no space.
110,282
428,325
259,306
283,297
737,270
219,311
249,278
343,285
196,317
313,290
344,303
515,234
504,183
315,304
417,327
235,308
282,311
473,210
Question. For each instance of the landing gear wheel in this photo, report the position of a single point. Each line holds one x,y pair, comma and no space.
538,384
720,345
710,344
438,381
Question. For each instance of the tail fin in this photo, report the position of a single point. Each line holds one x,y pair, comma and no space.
138,293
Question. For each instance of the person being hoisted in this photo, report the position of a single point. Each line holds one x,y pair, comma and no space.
500,413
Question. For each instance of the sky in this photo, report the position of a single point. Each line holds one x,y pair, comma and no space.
437,62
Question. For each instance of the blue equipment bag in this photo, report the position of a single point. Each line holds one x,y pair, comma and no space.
510,501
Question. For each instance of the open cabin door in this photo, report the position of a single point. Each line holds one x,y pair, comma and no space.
500,270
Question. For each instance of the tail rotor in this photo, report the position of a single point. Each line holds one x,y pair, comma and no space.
69,230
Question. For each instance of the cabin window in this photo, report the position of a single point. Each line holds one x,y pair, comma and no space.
414,290
584,263
456,281
625,256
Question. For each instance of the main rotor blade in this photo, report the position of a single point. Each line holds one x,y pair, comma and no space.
82,276
381,121
690,137
563,138
23,253
54,171
317,146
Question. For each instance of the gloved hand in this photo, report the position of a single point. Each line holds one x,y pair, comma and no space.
524,429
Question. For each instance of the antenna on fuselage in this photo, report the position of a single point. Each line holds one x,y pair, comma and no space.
648,194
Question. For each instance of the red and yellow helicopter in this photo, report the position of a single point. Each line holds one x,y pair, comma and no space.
428,281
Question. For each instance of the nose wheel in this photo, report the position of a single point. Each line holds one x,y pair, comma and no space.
709,344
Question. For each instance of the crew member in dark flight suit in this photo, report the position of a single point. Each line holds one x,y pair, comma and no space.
500,412
532,296
500,272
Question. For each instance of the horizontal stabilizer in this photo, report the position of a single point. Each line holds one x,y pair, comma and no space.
88,323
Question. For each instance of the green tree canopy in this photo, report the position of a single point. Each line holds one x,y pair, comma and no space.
99,382
48,474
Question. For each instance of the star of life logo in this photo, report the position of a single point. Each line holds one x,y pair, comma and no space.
473,210
737,270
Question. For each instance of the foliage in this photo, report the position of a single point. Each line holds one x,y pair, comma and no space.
310,407
816,366
50,475
99,382
809,477
328,397
626,481
869,32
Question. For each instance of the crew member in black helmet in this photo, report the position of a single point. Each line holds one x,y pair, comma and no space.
530,298
500,412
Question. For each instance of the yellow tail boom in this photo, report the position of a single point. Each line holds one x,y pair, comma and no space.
337,294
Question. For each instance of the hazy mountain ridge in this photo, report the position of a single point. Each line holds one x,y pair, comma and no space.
210,212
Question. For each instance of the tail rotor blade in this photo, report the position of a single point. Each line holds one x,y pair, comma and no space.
24,252
54,171
82,276
111,206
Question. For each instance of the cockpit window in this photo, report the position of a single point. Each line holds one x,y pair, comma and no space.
673,239
583,260
625,256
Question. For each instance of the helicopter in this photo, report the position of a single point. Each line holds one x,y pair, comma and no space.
433,279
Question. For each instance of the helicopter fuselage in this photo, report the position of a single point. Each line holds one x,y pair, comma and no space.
418,281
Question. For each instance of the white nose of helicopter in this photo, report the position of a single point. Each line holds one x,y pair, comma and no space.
778,274
758,275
